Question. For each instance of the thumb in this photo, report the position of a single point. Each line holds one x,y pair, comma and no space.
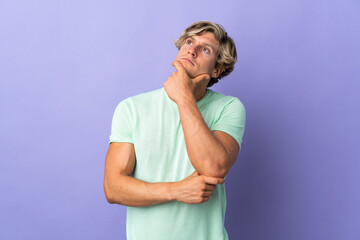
195,173
201,77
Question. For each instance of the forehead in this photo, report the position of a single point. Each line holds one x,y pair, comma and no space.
208,39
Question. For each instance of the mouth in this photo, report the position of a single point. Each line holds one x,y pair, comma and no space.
188,60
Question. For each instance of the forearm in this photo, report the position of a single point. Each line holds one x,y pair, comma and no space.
129,191
206,153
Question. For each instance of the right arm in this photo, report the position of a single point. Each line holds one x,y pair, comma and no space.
123,189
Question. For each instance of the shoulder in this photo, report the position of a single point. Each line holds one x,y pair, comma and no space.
145,97
149,94
223,100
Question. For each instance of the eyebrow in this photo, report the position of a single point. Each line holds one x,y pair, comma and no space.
204,43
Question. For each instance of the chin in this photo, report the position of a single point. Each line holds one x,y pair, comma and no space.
189,71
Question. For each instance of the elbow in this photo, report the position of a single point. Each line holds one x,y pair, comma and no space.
108,193
109,199
223,172
219,166
113,193
217,170
108,196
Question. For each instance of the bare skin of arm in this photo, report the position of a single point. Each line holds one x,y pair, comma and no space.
212,153
121,188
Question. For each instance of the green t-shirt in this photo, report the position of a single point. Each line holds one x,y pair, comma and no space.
151,121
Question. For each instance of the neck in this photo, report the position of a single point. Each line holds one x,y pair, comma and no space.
200,93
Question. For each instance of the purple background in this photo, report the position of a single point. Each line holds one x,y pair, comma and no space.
65,65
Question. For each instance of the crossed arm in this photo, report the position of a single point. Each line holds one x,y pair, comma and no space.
123,189
211,153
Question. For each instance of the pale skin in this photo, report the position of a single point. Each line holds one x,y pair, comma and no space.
212,153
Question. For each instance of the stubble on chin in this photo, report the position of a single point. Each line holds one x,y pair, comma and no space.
191,75
190,72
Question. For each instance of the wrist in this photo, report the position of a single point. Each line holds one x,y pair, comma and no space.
172,191
186,101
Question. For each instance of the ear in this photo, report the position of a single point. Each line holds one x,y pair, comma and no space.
217,72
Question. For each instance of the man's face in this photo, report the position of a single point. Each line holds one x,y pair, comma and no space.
198,55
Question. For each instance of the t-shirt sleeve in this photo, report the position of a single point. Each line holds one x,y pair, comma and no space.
232,120
121,127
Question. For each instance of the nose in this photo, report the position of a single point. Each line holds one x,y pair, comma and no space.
192,51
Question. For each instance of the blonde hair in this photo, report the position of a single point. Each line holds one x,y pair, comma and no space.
226,56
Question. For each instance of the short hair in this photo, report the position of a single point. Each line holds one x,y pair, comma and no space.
226,56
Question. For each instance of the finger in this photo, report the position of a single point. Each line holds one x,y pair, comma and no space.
207,193
178,66
201,77
210,187
206,199
212,180
175,62
174,74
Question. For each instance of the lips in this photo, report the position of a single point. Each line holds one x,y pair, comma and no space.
188,60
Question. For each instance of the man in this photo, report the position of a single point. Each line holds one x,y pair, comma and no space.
171,148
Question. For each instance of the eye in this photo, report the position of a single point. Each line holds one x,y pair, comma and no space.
206,50
189,42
